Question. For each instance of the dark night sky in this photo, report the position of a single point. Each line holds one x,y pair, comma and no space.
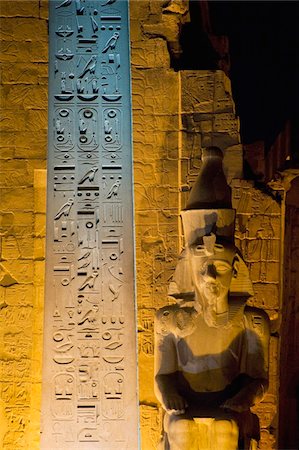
264,49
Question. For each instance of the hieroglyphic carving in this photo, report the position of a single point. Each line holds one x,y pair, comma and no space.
89,390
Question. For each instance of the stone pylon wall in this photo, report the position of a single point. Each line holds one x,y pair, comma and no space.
174,114
24,55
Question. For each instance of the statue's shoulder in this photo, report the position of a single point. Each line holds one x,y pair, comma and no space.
257,320
175,319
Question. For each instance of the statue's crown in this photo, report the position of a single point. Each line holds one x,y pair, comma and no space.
209,208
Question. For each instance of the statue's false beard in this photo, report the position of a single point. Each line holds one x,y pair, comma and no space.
211,294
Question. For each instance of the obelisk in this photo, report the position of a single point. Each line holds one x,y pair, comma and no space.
89,362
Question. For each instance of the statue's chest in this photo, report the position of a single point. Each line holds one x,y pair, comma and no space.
208,340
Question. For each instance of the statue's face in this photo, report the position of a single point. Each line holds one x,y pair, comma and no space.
212,270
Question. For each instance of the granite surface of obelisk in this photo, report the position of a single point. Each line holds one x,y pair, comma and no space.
89,368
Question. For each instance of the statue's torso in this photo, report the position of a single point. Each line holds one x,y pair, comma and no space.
209,357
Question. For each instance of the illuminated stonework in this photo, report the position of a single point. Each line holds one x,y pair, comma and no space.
211,349
89,369
174,114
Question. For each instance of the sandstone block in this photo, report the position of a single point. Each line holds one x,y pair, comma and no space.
6,152
136,32
16,199
33,152
151,54
19,8
153,122
7,139
44,9
22,270
12,120
233,162
17,320
27,97
23,51
266,296
155,91
264,271
10,248
39,273
21,29
37,119
151,424
197,88
19,295
31,140
39,248
13,173
167,26
10,369
139,9
40,185
40,225
21,73
226,123
148,147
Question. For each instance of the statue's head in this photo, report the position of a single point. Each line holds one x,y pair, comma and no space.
210,265
213,264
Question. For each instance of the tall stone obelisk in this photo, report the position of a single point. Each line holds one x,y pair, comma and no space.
89,369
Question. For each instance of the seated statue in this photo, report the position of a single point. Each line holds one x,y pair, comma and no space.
211,349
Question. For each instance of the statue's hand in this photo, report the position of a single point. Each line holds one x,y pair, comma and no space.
174,404
247,396
240,402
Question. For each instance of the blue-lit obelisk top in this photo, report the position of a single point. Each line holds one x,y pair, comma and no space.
89,372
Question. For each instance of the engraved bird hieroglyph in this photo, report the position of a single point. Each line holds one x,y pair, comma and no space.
89,175
114,189
65,209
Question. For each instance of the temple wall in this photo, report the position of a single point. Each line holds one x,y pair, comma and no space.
174,114
24,56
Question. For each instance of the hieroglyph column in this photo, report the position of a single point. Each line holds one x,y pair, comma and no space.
89,371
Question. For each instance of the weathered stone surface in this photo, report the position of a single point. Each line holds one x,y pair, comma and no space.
151,54
139,10
40,225
233,162
136,33
19,8
266,296
43,9
39,248
22,29
18,199
36,120
40,186
153,122
151,423
27,97
22,270
24,54
23,51
12,120
152,90
156,145
197,91
13,173
168,28
23,73
19,295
